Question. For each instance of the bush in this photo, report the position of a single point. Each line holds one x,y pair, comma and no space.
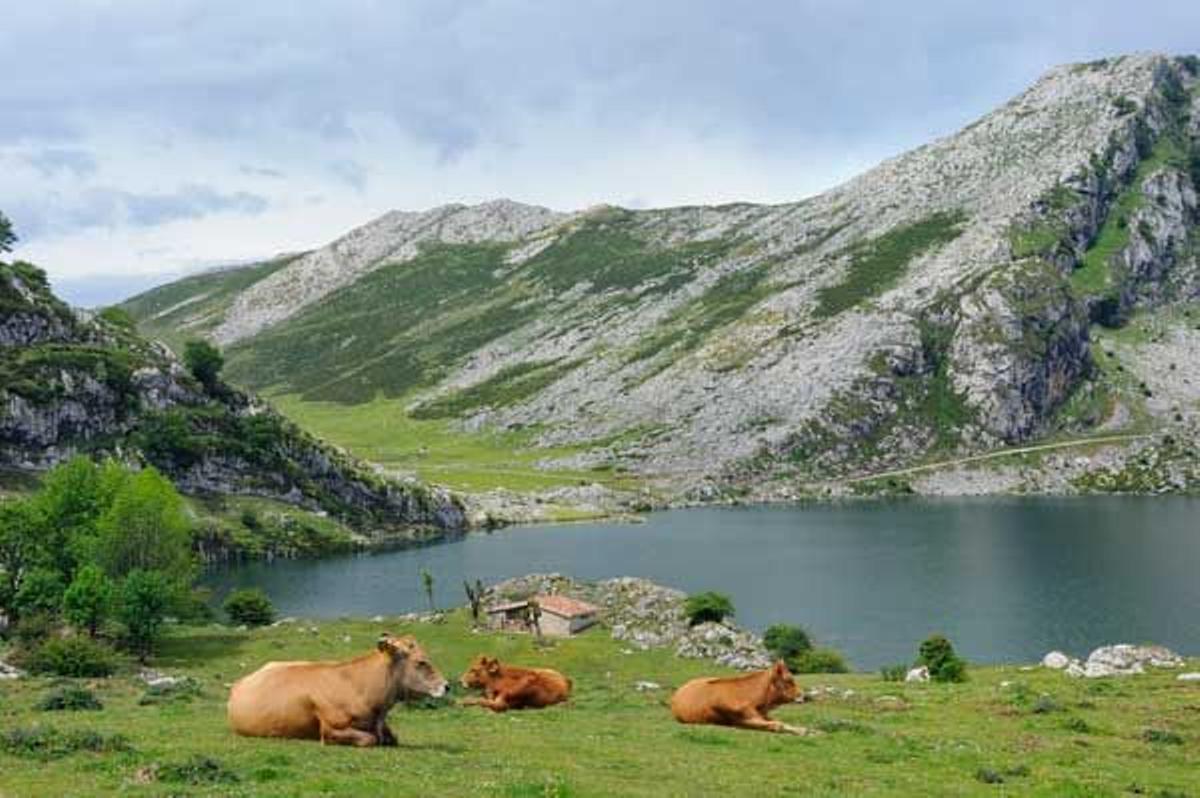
894,673
197,769
709,606
71,699
46,742
204,361
944,665
75,657
819,660
787,642
249,606
31,630
181,691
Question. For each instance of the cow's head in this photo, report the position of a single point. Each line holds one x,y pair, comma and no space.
481,673
411,666
782,688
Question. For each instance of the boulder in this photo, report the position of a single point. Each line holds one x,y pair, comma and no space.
1188,677
1056,660
1124,659
920,674
153,678
9,672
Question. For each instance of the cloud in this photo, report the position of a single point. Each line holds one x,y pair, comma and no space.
57,214
51,162
250,108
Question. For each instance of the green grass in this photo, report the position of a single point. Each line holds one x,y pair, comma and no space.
1101,739
878,264
381,432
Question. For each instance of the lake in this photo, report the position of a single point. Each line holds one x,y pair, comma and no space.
1006,579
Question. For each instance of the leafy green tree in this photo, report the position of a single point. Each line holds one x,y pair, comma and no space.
249,606
7,236
937,654
86,602
708,606
73,497
20,549
145,528
142,605
204,361
41,591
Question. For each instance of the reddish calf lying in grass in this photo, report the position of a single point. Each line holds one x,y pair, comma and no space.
741,701
506,687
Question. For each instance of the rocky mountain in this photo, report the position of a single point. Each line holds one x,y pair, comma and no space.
73,382
948,302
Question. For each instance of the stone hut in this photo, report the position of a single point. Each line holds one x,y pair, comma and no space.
560,616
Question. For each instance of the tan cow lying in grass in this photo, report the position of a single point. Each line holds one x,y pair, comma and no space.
346,703
741,701
507,687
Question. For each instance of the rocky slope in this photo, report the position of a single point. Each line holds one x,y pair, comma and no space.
72,383
945,302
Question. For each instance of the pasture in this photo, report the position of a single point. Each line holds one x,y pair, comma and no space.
1006,731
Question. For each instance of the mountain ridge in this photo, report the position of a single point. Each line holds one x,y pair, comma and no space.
942,300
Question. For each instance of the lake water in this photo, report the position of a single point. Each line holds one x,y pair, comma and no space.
1005,579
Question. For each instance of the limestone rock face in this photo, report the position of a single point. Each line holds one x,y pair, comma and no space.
1123,659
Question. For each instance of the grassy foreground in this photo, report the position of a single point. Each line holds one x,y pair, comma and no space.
1005,732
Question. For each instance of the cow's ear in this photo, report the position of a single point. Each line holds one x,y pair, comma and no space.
493,666
780,668
382,644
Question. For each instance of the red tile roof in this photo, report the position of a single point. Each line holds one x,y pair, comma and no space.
565,607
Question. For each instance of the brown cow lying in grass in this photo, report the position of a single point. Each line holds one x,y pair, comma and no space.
506,687
346,703
741,701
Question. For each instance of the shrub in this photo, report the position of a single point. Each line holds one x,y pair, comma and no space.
249,606
86,602
1162,736
31,630
46,742
709,606
787,642
944,665
70,699
204,361
181,691
1045,704
893,673
75,657
197,769
819,660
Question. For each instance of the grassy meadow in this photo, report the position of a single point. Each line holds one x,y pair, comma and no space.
381,432
1006,731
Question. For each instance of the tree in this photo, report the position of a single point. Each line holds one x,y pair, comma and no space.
20,549
204,361
86,602
475,597
937,654
705,607
7,236
145,529
249,606
142,607
427,584
73,497
41,591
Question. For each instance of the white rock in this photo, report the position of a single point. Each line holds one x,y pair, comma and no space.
153,678
8,672
1188,677
920,674
643,687
1056,660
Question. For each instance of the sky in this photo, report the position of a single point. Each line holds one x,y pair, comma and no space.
144,139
